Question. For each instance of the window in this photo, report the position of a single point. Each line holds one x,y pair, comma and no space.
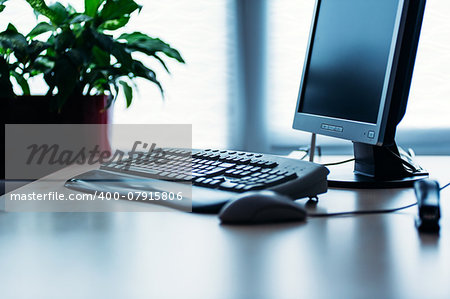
196,93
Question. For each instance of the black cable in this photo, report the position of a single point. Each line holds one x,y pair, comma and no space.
405,163
369,211
304,156
442,188
361,212
338,163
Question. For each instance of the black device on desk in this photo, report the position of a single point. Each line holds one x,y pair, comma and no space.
427,193
217,176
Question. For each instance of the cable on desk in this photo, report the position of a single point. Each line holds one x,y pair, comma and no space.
383,211
405,163
338,163
442,188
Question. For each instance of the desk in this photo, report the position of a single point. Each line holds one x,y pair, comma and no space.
183,255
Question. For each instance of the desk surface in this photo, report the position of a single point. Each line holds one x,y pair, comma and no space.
184,255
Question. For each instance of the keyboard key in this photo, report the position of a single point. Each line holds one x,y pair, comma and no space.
254,162
291,175
253,187
214,183
275,181
198,181
244,161
235,173
240,187
215,171
270,164
227,186
143,171
219,178
227,165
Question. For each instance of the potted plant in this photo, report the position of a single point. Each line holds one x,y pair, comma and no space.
83,63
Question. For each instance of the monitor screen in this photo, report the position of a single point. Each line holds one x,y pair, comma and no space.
348,61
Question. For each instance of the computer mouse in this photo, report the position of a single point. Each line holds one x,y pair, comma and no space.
261,207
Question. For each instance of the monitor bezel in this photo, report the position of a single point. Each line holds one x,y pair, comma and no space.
369,133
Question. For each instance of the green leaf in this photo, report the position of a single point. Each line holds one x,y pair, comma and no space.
101,58
11,39
76,56
118,50
11,28
115,9
64,40
148,45
22,82
80,18
115,24
65,77
128,91
91,7
35,48
2,6
40,7
39,29
140,70
103,41
41,65
60,13
5,83
162,62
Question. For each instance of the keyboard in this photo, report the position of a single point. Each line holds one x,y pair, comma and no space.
217,176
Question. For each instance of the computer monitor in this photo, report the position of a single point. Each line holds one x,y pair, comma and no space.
356,81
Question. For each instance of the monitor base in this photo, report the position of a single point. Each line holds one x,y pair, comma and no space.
377,167
347,179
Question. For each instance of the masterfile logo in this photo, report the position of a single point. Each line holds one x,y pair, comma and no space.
58,161
54,154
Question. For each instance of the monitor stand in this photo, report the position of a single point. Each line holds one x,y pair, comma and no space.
376,167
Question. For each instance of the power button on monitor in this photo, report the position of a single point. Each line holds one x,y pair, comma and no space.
371,134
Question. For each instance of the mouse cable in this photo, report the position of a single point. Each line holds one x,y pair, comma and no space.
338,163
445,186
383,211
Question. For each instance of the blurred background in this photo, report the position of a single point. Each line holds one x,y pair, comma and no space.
244,60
